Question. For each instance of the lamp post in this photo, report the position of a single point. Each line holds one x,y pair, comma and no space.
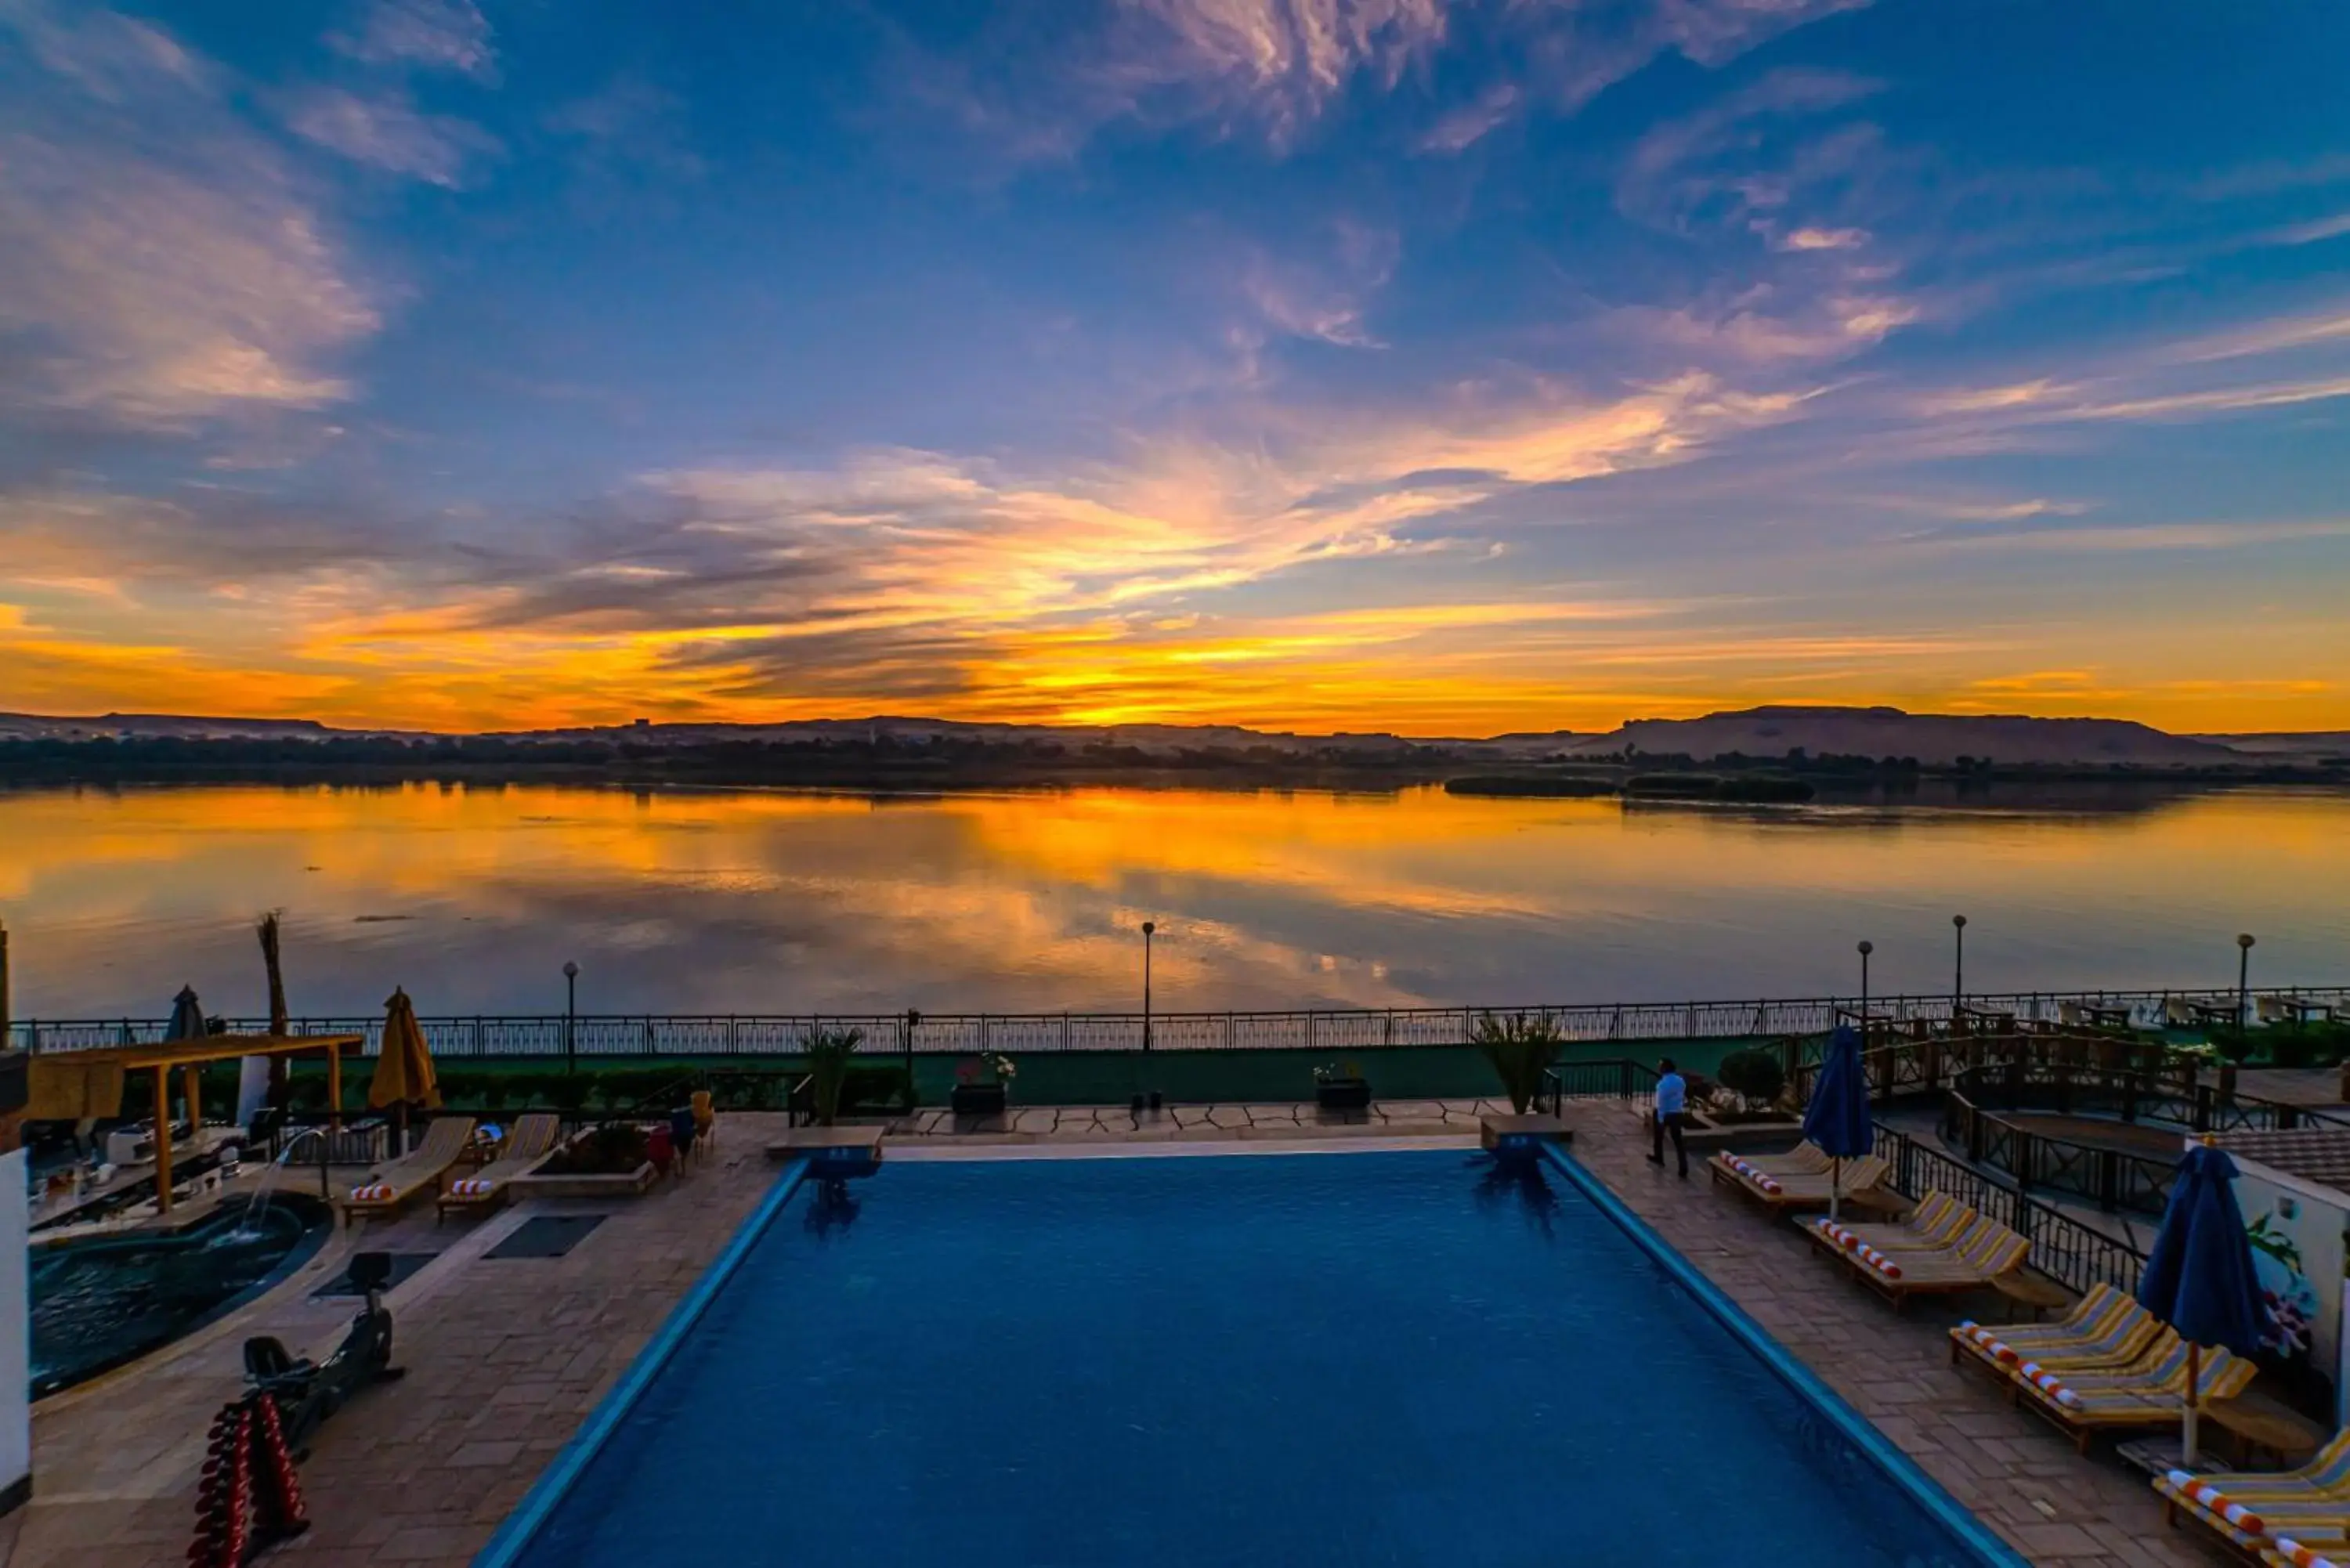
913,1022
2243,981
1867,948
1959,967
570,1017
1150,928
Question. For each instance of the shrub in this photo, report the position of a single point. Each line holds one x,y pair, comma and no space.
1755,1077
1521,1050
2291,1048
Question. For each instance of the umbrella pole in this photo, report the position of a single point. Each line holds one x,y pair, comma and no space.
2187,1440
1835,1180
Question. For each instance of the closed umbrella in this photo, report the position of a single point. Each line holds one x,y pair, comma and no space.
2199,1279
1837,1117
404,1069
187,1016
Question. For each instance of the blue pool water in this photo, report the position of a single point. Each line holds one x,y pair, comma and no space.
1380,1358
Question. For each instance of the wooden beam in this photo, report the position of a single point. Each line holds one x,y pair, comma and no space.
191,1080
162,1140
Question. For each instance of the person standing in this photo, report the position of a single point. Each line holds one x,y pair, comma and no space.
1672,1112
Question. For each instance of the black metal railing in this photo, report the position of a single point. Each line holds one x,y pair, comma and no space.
1616,1078
2075,1255
1313,1029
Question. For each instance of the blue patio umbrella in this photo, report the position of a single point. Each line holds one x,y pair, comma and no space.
2199,1279
1837,1118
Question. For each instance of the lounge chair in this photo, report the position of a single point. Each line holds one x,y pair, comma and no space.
388,1189
1987,1250
1804,1159
2321,1550
2085,1407
533,1134
1939,1221
1807,1190
2313,1501
2105,1328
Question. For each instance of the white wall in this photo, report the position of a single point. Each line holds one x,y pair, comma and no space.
16,1332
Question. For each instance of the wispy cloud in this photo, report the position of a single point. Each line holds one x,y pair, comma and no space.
430,35
386,131
157,262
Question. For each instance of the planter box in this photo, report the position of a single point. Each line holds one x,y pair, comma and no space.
979,1100
1343,1093
625,1184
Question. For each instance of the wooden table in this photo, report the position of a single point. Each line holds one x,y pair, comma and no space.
2030,1291
2214,1014
2260,1425
2107,1017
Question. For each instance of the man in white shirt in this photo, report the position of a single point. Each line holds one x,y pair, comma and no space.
1672,1111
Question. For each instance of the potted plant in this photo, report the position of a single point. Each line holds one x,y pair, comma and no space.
983,1085
610,1160
1520,1050
827,1052
1341,1086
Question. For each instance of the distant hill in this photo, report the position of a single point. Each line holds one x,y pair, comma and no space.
1935,740
182,726
2287,744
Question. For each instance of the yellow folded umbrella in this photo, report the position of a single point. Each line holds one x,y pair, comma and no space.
404,1072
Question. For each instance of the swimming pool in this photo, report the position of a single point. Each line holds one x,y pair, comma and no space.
1393,1358
100,1301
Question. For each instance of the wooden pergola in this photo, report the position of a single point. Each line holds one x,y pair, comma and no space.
190,1056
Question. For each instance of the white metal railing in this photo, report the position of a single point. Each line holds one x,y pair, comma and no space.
1318,1028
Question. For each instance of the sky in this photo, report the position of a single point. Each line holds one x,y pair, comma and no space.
1440,367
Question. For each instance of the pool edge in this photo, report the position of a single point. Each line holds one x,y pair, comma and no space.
555,1483
1879,1449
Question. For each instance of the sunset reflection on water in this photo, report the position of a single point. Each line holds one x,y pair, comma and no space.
472,898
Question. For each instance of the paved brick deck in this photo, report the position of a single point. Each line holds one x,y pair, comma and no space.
504,1357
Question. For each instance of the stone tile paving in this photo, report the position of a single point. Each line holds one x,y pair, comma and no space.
506,1358
2012,1469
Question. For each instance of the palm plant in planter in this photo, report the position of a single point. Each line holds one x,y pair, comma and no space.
1341,1086
983,1085
1521,1050
827,1052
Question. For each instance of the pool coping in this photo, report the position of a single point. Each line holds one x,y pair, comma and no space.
563,1473
1881,1451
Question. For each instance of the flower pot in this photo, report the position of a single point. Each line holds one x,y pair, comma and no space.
979,1100
1343,1093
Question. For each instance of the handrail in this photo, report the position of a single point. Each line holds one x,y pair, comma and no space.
2062,1246
1329,1029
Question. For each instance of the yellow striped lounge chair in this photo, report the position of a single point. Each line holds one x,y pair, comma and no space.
1988,1250
2085,1406
2105,1328
1939,1221
2312,1496
2327,1550
1804,1159
1809,1190
391,1186
534,1134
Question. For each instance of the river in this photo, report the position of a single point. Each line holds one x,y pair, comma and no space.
473,898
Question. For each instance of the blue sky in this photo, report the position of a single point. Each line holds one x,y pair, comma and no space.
1293,362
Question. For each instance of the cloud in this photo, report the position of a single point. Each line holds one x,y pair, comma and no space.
386,131
1811,239
1464,127
157,264
428,34
629,123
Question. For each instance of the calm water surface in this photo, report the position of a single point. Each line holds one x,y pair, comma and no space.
473,898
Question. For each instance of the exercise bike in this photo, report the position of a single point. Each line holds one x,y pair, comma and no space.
306,1391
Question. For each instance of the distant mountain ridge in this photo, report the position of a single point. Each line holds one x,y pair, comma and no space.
1934,740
